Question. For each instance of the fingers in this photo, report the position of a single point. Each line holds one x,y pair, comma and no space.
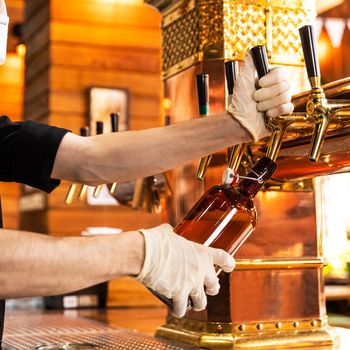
199,299
180,304
211,282
283,109
222,259
275,76
271,91
274,102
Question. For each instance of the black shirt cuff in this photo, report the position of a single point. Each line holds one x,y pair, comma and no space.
35,154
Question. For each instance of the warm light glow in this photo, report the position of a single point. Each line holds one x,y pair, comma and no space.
333,214
167,104
123,2
324,46
21,50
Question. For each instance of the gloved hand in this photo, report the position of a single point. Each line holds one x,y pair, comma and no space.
3,9
248,105
178,268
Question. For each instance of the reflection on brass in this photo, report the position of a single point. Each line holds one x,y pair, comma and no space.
202,168
279,264
113,188
66,346
235,155
97,191
194,31
254,335
70,194
83,192
315,82
291,186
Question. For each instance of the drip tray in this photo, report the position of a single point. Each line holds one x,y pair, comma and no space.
52,331
66,346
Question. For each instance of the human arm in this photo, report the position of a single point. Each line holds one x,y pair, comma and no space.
39,265
135,154
34,265
130,155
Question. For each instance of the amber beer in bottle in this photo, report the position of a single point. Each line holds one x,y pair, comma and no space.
225,215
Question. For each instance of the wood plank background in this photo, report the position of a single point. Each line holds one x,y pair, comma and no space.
73,45
11,102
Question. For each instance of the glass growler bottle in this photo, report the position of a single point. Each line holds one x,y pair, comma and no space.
225,215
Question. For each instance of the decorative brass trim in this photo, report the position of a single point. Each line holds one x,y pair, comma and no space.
200,30
315,82
254,335
279,264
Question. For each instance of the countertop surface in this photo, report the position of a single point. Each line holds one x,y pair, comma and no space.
114,329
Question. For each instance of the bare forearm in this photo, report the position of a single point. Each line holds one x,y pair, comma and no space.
34,265
130,155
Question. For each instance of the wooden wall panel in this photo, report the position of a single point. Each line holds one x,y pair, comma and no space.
11,102
72,46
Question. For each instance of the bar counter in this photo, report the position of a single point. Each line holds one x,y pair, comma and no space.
101,329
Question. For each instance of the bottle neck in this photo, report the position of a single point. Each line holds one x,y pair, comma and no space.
257,177
249,188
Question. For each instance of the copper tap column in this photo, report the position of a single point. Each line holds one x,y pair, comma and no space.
275,298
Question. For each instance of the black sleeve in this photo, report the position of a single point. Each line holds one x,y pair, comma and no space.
27,153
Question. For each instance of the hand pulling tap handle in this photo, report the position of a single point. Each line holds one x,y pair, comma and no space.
115,128
235,153
99,131
261,63
260,60
309,44
317,97
202,82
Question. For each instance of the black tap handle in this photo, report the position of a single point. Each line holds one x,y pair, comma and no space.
99,128
231,69
85,131
167,120
203,89
169,302
260,60
309,44
115,122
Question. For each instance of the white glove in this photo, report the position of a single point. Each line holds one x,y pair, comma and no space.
4,21
179,269
248,105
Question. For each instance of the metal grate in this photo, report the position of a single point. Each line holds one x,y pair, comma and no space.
33,331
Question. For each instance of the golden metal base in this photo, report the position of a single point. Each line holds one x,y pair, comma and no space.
309,334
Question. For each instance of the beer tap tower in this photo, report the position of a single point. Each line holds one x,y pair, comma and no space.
275,298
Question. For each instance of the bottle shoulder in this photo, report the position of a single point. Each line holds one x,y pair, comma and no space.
232,195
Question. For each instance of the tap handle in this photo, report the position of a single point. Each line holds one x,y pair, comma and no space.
85,131
231,69
203,93
309,44
114,122
260,60
167,120
99,128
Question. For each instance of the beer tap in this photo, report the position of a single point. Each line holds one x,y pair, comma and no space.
202,81
70,195
99,131
320,111
277,125
115,128
234,153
